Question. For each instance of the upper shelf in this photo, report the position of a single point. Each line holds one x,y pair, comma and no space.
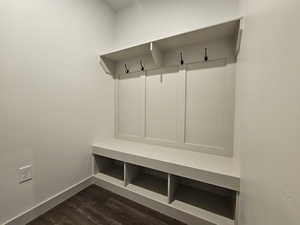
153,55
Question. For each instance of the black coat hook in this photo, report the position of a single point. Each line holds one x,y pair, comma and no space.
205,57
142,66
181,59
126,69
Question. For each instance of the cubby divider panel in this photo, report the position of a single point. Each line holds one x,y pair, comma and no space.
217,200
109,167
172,185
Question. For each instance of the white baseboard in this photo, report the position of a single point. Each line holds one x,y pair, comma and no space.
48,204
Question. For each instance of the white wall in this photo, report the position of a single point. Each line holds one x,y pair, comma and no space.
54,96
149,20
269,112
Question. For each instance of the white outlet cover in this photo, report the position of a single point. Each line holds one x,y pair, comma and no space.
25,174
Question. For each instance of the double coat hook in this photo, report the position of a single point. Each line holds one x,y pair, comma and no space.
205,57
181,59
142,66
126,69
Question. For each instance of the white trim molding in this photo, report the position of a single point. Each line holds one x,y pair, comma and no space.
48,204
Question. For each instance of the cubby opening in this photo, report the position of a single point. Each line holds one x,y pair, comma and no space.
195,194
147,179
109,167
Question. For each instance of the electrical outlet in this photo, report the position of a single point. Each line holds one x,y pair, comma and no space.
25,174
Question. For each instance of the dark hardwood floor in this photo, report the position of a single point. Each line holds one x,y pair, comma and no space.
96,206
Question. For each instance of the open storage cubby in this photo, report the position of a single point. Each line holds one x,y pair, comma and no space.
193,195
147,180
110,168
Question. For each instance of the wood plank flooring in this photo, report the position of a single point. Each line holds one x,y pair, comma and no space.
96,206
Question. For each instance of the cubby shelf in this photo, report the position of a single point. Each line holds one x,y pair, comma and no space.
191,200
206,215
109,169
206,200
115,172
109,179
165,52
149,182
216,204
152,183
147,193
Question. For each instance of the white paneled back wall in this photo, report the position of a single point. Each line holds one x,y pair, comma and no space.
130,106
162,106
210,107
191,109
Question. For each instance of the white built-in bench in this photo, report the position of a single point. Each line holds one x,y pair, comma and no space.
193,187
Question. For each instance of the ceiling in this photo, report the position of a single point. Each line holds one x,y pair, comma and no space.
119,4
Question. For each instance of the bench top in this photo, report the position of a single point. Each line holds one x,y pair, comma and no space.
204,165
